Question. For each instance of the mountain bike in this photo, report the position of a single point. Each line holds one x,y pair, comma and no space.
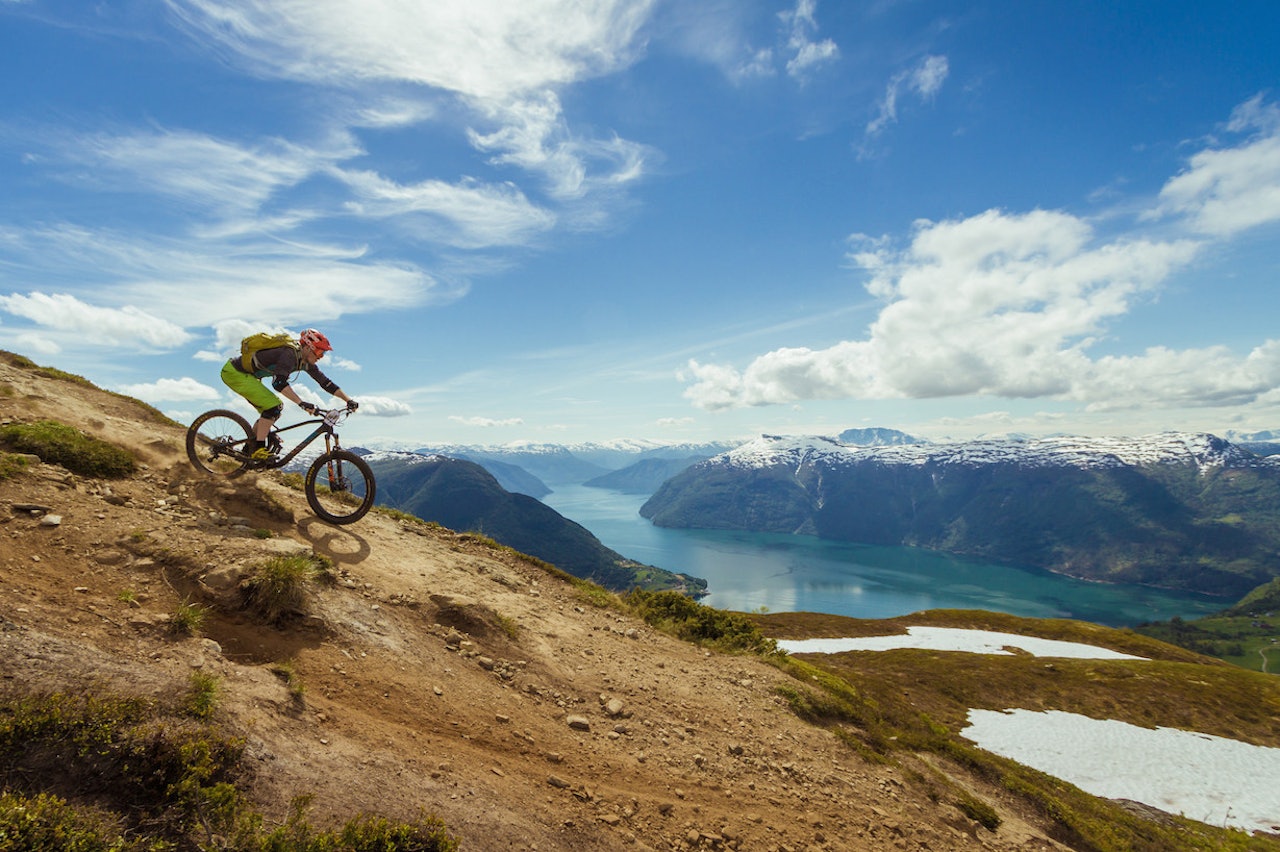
339,484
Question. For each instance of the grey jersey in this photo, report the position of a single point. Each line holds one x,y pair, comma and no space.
282,362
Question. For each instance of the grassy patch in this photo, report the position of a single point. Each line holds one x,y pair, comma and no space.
57,443
288,673
187,619
12,464
278,587
91,774
891,705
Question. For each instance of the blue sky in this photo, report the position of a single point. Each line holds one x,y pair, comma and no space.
581,220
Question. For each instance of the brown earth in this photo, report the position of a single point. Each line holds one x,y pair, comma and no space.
441,675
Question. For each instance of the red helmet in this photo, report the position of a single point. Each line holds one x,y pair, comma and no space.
315,340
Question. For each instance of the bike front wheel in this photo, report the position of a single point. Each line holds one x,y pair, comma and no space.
215,443
340,487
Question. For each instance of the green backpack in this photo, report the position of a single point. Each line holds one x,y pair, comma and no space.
255,343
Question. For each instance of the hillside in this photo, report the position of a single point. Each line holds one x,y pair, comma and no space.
464,496
1190,512
436,673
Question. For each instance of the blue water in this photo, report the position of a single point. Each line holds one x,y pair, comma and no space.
783,573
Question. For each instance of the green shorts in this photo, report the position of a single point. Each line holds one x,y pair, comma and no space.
249,387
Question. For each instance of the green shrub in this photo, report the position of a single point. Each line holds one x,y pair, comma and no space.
158,782
57,443
685,618
46,822
203,696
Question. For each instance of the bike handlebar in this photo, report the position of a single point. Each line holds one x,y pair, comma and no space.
333,416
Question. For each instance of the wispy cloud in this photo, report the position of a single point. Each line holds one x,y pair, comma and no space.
162,274
467,215
1010,305
482,49
1227,190
66,316
381,406
806,53
171,390
924,80
214,176
502,62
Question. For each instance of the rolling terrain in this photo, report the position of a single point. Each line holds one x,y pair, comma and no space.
423,671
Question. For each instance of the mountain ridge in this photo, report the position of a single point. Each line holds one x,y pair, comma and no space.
1181,510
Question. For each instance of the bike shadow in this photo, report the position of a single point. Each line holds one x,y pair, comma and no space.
339,544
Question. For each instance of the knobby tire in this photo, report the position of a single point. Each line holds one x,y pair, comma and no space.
214,428
348,496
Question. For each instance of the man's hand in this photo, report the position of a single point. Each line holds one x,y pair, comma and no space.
352,405
308,407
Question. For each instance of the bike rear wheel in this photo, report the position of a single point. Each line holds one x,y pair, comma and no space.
340,487
215,442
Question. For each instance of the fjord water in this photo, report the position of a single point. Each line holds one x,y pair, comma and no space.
785,573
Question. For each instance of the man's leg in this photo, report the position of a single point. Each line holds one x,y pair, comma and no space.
267,403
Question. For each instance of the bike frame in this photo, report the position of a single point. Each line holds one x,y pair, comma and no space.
325,427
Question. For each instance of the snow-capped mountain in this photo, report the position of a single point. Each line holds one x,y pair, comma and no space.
1200,450
1179,509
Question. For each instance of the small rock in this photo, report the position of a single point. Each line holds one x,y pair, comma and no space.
579,723
51,521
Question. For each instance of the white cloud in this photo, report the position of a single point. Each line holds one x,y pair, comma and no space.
381,406
465,215
171,390
996,304
504,62
533,135
1227,190
486,422
127,326
483,49
28,342
163,275
925,80
1010,305
806,54
207,172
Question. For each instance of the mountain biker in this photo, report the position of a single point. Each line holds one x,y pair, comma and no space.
280,362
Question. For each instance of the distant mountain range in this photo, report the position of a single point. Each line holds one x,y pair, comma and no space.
535,469
463,496
1179,510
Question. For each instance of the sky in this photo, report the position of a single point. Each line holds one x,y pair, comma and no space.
565,221
1220,781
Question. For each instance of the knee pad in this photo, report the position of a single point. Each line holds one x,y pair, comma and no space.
273,414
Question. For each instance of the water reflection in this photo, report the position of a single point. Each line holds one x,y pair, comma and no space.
781,573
